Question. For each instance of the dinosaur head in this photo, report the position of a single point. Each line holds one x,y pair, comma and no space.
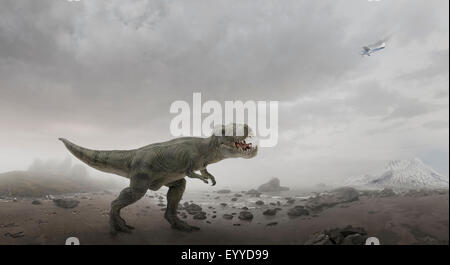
231,141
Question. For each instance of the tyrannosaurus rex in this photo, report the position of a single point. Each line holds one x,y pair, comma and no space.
166,164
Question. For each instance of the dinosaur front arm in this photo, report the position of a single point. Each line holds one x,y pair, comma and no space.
204,176
194,175
211,177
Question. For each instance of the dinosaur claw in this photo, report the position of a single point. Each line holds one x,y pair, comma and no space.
179,225
118,225
129,227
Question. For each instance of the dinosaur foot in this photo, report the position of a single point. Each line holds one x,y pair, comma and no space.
117,224
184,227
180,225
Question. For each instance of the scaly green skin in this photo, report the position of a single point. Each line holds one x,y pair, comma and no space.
163,164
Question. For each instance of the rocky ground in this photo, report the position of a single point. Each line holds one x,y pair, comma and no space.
342,216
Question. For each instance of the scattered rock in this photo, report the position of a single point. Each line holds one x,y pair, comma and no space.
290,201
272,185
199,215
234,199
425,192
192,208
245,215
8,225
259,203
223,191
14,235
223,204
36,202
272,223
297,211
330,199
66,203
386,192
270,212
227,216
237,195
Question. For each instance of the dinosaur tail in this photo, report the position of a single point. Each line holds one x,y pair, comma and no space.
114,161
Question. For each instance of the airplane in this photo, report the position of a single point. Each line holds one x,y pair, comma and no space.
367,50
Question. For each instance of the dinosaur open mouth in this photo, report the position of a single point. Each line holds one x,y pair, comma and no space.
243,145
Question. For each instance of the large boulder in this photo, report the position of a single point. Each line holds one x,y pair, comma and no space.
272,185
348,235
319,238
253,193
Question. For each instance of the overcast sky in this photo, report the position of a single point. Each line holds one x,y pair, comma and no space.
104,73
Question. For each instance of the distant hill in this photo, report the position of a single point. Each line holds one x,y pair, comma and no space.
29,184
53,177
403,174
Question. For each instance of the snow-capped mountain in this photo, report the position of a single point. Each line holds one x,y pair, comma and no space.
403,174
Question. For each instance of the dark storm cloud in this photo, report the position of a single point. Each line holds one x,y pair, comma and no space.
97,57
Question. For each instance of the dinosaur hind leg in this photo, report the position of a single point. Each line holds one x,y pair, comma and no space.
176,190
126,197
